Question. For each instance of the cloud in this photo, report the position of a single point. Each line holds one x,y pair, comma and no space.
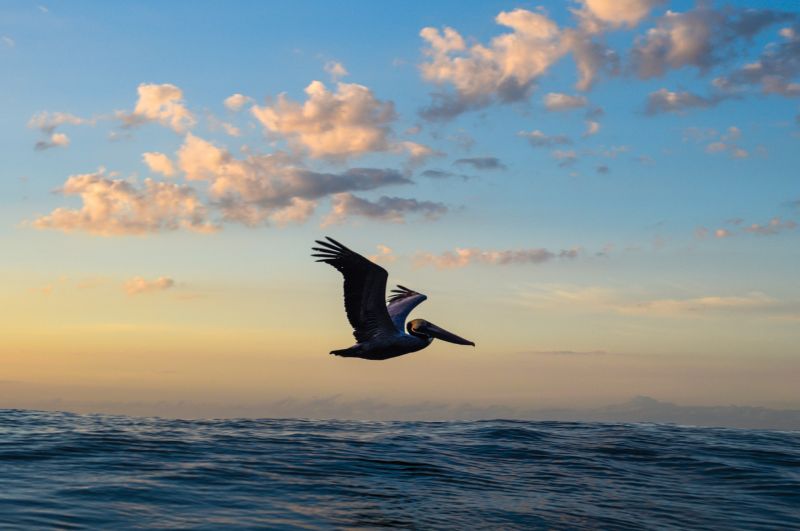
445,107
230,129
118,207
748,302
703,38
617,13
390,209
55,140
202,160
613,151
504,70
596,299
138,285
592,128
565,352
385,255
418,154
297,211
728,143
565,157
481,163
8,41
537,138
258,188
463,140
440,174
664,100
350,122
774,226
336,70
215,124
773,71
556,101
47,122
159,103
699,134
159,163
463,257
237,101
591,57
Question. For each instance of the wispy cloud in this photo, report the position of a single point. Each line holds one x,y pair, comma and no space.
441,174
462,257
565,157
592,128
235,102
729,143
336,70
774,226
389,209
537,138
565,352
663,100
48,122
385,255
556,101
594,299
775,70
55,140
481,163
139,285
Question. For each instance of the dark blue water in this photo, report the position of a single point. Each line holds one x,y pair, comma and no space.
113,472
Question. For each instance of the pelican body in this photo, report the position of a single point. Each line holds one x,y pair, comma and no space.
380,330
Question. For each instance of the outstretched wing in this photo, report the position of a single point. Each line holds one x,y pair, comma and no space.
364,289
401,302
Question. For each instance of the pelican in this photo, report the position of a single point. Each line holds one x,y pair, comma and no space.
380,329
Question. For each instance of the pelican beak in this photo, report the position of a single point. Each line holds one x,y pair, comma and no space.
440,333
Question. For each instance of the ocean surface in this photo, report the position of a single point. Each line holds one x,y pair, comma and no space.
114,472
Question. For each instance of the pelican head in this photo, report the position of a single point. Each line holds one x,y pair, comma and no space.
423,328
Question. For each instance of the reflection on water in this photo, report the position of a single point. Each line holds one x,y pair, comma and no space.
77,471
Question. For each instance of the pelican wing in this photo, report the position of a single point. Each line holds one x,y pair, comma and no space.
401,302
364,289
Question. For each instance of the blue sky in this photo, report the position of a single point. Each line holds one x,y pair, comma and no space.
667,230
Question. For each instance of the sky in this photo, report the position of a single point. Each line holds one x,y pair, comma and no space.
603,195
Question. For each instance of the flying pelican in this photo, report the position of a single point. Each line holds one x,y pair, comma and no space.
380,330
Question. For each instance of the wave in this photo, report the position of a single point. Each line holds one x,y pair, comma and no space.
77,471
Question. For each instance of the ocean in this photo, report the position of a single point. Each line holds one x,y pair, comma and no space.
115,472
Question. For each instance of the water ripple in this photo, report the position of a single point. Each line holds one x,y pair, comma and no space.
88,471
